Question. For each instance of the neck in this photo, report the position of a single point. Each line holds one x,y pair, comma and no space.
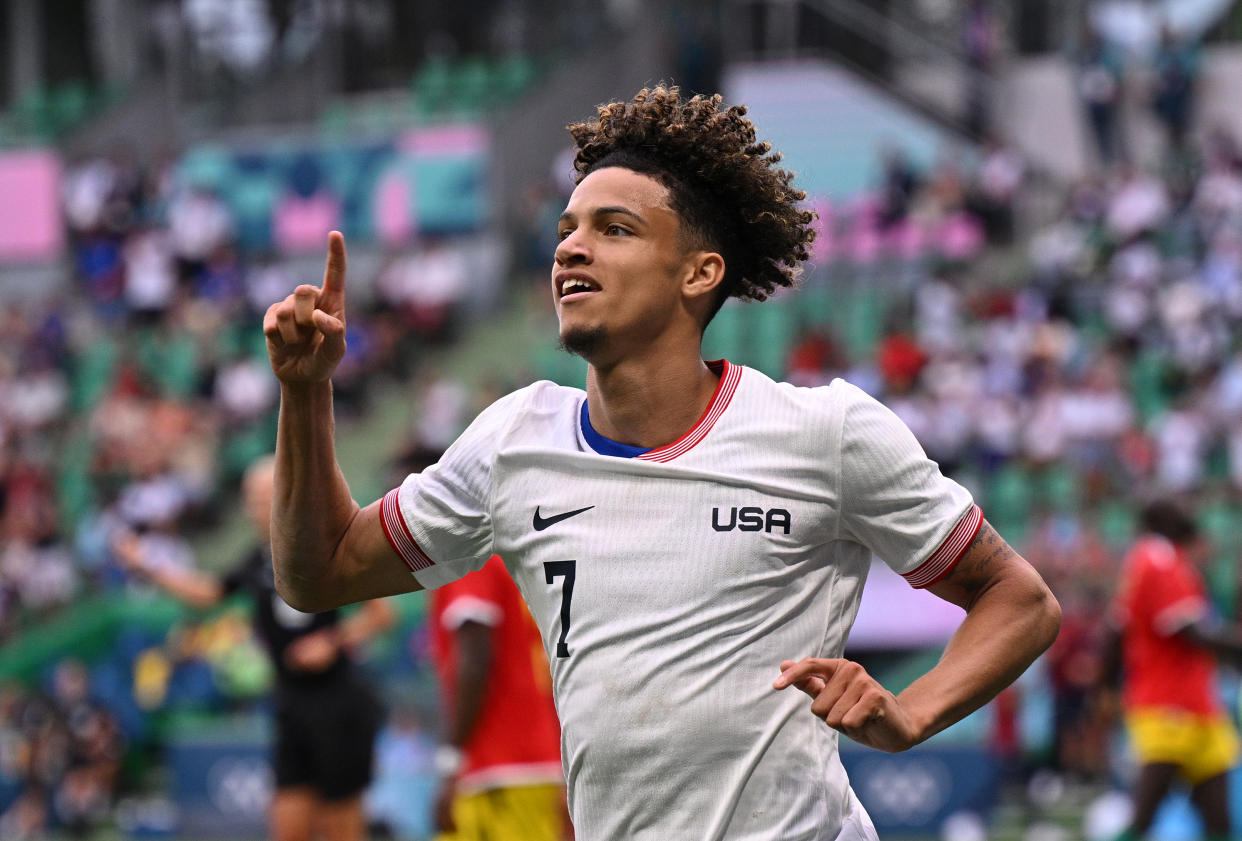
648,402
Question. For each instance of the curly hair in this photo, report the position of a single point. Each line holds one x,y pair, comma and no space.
723,184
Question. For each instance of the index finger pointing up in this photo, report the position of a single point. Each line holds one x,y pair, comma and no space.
332,298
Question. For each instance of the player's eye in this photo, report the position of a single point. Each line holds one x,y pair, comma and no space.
616,230
564,232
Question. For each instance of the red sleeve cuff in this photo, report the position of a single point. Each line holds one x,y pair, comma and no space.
941,562
398,534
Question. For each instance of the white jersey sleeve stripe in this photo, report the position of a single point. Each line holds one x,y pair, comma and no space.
398,534
950,551
720,401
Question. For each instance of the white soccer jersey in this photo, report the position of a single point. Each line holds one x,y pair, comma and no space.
668,587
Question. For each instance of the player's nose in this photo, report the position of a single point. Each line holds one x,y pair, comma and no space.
572,250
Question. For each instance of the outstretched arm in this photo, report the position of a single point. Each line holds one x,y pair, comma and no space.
1011,618
326,550
1223,640
197,589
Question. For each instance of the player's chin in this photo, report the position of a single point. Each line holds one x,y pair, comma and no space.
584,340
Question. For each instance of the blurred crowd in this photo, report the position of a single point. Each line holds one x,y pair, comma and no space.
60,756
132,405
138,400
1101,367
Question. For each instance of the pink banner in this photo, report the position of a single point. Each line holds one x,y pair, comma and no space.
30,221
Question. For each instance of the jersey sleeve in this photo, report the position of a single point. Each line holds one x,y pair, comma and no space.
439,521
894,499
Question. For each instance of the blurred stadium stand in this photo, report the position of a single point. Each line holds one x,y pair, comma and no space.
1061,331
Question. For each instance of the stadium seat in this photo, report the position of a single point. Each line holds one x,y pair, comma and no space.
432,87
1061,488
472,87
91,373
512,75
1008,503
724,339
1115,521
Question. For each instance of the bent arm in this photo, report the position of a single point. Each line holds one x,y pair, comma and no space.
374,617
326,551
190,586
1011,618
1224,641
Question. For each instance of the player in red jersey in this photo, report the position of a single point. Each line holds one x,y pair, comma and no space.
1168,645
501,759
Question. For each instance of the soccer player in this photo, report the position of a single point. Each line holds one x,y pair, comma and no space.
501,757
1168,645
691,537
327,715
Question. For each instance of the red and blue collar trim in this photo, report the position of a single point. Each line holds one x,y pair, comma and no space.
729,375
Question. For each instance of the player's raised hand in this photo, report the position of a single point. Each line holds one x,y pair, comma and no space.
306,331
851,701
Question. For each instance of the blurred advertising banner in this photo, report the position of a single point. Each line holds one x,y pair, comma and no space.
221,779
915,792
285,196
31,230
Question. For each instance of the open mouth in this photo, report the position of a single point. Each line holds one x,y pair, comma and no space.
576,288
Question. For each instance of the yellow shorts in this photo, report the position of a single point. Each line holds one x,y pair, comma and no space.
519,813
1202,746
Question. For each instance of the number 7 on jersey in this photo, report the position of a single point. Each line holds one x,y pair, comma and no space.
551,571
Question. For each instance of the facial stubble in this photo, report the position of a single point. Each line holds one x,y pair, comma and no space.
584,341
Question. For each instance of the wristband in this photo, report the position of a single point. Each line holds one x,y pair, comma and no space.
448,760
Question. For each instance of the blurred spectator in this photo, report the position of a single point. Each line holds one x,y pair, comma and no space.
981,44
816,359
1099,87
1139,204
198,225
1167,642
500,761
898,186
998,185
327,715
1175,71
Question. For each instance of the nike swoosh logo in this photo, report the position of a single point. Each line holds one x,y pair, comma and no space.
541,523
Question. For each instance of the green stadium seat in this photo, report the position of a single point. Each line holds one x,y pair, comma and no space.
206,166
91,373
1147,384
34,114
69,105
75,489
1009,502
432,87
472,89
1061,488
169,362
772,327
864,310
1115,521
512,75
723,339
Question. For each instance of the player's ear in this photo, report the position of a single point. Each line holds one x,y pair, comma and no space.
704,273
